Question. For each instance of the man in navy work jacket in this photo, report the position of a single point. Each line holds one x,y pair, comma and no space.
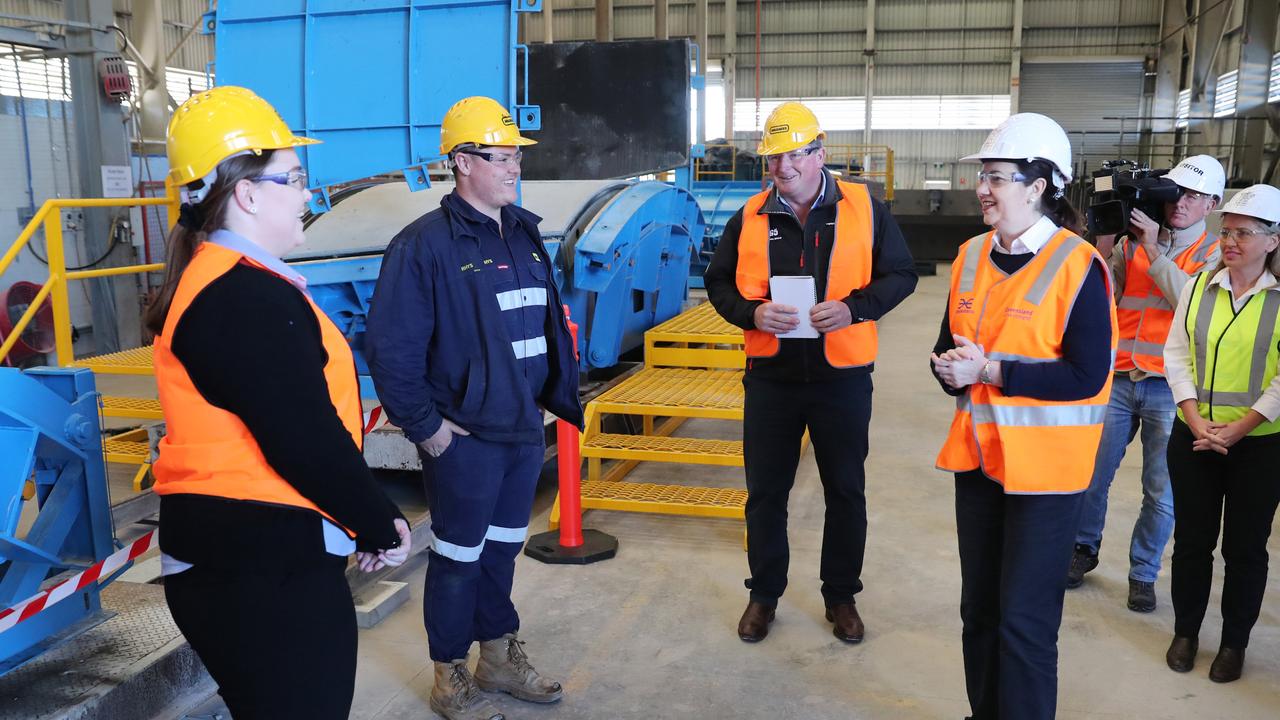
466,342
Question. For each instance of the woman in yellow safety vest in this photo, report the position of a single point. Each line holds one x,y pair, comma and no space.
1225,448
263,488
1025,347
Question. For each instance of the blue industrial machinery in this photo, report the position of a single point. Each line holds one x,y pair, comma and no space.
50,452
371,78
718,202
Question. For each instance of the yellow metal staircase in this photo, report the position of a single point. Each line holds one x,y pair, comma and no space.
693,369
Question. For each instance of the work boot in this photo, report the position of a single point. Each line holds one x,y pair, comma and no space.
456,697
1228,665
505,668
1142,596
754,625
848,624
1083,559
1181,656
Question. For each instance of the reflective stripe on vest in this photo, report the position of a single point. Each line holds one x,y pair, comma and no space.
1144,314
1027,445
1233,354
849,268
209,451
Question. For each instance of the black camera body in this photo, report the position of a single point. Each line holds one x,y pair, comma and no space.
1122,186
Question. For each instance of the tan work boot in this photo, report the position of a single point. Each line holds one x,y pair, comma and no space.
456,697
505,668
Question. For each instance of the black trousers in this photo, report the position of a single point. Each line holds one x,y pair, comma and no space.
279,645
1237,493
775,416
1014,555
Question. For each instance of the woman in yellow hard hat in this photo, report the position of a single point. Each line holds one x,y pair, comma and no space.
263,488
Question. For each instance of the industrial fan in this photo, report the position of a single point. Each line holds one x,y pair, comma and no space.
38,338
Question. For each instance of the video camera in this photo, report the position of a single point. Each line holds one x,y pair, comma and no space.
1120,187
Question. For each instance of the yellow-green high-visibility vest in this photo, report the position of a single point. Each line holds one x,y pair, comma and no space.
1233,353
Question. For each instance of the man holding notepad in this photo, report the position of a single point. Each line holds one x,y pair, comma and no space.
805,269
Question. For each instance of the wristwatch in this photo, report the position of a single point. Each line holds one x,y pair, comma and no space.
984,376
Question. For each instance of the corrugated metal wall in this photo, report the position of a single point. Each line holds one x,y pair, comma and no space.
813,48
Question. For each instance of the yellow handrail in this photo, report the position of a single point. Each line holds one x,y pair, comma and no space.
55,288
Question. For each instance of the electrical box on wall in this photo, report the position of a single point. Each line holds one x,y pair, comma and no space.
114,74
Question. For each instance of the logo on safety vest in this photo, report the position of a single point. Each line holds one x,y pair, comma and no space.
1018,313
774,234
964,306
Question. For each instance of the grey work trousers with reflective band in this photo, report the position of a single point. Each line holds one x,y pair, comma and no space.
480,494
776,414
1236,493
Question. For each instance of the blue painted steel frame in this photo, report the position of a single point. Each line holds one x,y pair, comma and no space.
49,435
719,202
371,78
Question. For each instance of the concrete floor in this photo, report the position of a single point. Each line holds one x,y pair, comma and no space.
651,634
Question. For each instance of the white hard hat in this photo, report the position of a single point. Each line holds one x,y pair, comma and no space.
1202,173
1256,201
1029,136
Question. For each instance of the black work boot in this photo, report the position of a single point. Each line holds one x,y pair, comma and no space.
1142,596
1083,559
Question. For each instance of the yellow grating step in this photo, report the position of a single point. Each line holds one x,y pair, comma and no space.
697,337
676,392
127,452
615,446
667,499
126,362
129,407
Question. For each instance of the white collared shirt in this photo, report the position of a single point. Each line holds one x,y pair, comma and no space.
258,254
1177,349
816,201
1030,241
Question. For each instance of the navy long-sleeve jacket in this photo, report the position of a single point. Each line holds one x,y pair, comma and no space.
437,343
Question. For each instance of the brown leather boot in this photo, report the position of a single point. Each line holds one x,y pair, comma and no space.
754,625
456,697
848,625
505,668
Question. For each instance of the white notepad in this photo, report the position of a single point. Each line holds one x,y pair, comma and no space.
799,292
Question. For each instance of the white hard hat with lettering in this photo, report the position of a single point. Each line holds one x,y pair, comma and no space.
1202,173
1256,201
1029,136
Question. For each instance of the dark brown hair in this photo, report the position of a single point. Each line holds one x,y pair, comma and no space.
209,215
1058,209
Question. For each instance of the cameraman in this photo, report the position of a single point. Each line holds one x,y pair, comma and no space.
1150,264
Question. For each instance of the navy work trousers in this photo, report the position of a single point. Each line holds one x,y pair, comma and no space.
775,415
480,494
1014,554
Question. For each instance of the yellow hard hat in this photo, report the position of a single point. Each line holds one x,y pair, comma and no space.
213,125
790,126
479,120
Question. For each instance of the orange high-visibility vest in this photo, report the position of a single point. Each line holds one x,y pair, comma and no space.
210,451
848,269
1026,445
1144,314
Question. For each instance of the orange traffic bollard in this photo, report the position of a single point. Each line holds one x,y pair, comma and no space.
571,545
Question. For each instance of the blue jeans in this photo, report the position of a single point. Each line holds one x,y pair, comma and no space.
1146,405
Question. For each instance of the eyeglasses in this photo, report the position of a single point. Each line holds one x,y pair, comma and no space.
795,155
995,179
1193,195
293,178
1241,235
496,158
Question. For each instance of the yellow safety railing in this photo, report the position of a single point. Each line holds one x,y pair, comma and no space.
872,162
49,216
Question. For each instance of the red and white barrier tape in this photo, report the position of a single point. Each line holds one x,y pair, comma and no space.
374,419
65,589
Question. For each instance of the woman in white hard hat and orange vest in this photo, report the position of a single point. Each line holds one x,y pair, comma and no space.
1224,452
1025,346
1154,260
263,488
